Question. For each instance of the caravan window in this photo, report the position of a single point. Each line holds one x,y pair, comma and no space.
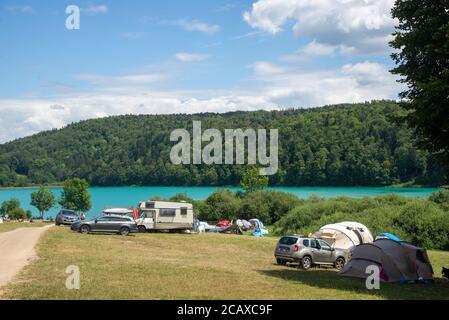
148,214
183,211
167,212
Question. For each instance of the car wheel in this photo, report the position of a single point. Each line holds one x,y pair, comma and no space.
339,263
306,263
124,231
85,229
281,262
142,229
57,224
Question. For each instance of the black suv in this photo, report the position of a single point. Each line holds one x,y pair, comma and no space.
113,223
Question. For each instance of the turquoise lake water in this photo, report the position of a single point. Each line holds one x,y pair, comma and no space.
106,197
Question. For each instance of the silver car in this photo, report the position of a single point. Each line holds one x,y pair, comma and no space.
66,217
308,252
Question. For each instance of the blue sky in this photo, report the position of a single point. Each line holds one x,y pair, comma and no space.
187,56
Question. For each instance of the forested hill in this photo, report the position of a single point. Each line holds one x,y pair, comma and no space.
344,145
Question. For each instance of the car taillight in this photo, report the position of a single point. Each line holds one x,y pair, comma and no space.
296,248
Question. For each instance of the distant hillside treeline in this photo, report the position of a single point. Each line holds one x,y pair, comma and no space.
343,145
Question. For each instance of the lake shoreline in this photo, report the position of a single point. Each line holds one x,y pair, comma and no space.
417,186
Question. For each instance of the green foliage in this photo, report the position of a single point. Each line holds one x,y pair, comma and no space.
418,221
267,206
75,195
223,204
17,213
43,200
181,197
12,209
8,206
253,181
422,58
342,145
442,198
425,224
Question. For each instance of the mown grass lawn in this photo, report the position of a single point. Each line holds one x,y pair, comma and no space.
9,226
176,266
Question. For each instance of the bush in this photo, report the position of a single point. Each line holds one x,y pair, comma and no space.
222,204
424,224
8,206
441,197
420,222
268,206
17,213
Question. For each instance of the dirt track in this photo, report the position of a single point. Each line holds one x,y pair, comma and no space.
16,250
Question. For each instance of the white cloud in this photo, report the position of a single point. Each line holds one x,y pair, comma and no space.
274,87
262,68
317,49
95,9
22,9
191,57
195,25
350,83
314,49
365,25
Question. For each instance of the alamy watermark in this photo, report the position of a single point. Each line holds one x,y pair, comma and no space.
373,280
191,151
73,281
73,21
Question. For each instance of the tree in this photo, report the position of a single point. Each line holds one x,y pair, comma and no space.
43,200
75,195
9,206
17,213
253,181
422,41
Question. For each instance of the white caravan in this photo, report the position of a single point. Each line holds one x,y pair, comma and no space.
164,215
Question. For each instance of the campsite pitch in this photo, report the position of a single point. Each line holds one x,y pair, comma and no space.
176,266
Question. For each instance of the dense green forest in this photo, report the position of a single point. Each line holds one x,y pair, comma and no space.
344,145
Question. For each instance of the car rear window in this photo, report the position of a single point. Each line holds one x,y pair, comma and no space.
288,241
306,242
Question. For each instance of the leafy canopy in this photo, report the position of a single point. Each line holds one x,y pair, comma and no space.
75,195
253,181
422,42
43,200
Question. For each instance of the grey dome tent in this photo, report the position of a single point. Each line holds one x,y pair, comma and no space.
398,261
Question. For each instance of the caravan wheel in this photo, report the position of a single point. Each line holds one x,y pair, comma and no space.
142,229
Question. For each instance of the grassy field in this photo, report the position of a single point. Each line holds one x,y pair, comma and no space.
9,226
175,266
